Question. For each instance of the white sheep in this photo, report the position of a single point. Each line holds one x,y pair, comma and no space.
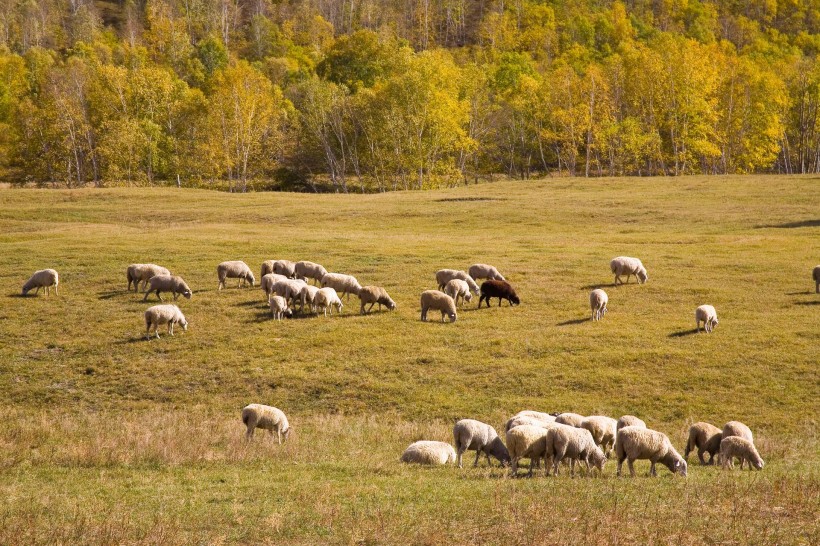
458,288
341,283
290,289
735,446
629,421
708,316
469,434
280,267
519,420
624,265
374,295
163,314
526,441
268,281
279,308
571,419
137,273
235,269
577,444
815,274
484,271
307,297
167,283
437,301
597,302
736,428
643,443
326,298
603,430
443,276
265,417
429,452
308,270
45,279
704,437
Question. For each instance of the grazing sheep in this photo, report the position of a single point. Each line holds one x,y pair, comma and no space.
526,441
307,297
628,266
470,434
815,274
643,443
735,446
45,279
308,270
137,273
280,267
265,417
437,301
456,288
577,444
267,282
443,276
704,437
736,428
629,421
163,314
708,316
235,269
290,289
498,289
603,430
341,283
374,295
429,452
597,302
571,419
484,271
279,308
167,283
527,417
326,298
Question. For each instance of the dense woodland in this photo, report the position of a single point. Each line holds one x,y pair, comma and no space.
367,95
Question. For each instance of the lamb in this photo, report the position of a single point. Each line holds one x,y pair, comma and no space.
268,281
704,437
603,430
735,446
280,267
597,302
137,273
629,421
163,314
437,301
45,279
374,295
484,271
577,444
736,428
707,315
815,274
443,276
265,417
571,419
327,298
643,443
341,283
498,289
629,266
526,441
234,270
429,452
469,434
167,283
456,288
308,270
279,308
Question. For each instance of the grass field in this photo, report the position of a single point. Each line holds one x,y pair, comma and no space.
109,438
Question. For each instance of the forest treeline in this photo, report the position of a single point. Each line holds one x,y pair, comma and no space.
384,94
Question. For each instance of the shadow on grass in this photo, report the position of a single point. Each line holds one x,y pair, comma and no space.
791,225
574,321
599,285
807,302
805,293
112,294
19,295
252,303
684,333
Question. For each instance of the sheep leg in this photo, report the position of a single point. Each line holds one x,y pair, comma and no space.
171,328
631,464
371,307
700,456
459,456
652,471
279,435
477,457
55,290
160,297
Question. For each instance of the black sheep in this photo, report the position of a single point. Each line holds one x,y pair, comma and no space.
498,289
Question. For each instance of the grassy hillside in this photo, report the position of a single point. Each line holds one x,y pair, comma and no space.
110,438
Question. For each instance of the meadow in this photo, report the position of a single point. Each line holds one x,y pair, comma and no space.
109,438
